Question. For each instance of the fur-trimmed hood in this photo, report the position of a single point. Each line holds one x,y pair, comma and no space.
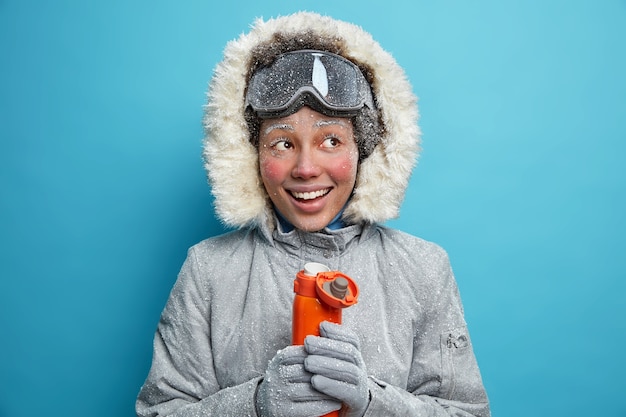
231,160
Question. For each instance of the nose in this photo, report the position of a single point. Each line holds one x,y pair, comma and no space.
306,165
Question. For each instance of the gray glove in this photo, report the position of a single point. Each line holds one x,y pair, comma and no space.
337,366
286,390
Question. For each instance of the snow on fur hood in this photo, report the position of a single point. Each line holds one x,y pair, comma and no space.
231,160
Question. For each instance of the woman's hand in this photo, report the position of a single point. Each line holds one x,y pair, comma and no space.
286,390
338,368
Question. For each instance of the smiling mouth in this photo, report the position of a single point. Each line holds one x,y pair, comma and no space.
310,195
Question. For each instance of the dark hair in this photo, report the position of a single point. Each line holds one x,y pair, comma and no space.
367,124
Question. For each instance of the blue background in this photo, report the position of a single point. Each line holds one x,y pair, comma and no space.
522,180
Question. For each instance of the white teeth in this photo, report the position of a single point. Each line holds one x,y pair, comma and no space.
311,195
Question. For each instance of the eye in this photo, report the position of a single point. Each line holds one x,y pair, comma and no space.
331,142
282,145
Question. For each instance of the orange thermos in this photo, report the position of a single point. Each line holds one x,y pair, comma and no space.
321,294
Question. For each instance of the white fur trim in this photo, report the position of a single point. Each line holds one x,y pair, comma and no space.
232,163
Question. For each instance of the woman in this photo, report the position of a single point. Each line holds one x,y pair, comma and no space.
311,137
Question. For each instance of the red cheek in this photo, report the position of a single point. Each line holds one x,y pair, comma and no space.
344,170
271,169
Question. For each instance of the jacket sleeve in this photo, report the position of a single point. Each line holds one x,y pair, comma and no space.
182,380
444,378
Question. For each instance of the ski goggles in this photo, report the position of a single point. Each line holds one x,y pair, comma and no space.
326,82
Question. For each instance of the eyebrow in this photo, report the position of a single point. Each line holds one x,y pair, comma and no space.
279,126
289,127
330,122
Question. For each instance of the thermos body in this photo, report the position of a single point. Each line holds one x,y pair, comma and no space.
308,313
321,295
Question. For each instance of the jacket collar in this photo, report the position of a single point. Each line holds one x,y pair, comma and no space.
326,243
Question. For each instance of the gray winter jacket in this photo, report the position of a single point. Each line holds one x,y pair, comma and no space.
230,309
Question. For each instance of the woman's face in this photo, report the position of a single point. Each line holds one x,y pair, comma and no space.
308,164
